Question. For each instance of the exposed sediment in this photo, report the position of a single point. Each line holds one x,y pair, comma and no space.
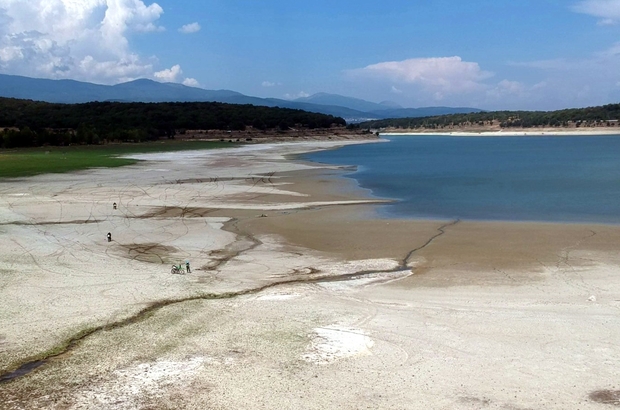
313,277
316,300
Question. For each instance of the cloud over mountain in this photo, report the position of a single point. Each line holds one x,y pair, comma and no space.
169,75
84,40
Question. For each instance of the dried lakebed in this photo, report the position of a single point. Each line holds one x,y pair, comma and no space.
316,305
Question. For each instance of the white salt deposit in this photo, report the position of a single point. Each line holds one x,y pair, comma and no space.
129,387
278,296
335,342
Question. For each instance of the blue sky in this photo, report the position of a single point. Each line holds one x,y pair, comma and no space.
492,54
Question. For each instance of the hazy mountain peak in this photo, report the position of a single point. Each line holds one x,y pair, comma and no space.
342,101
140,82
146,90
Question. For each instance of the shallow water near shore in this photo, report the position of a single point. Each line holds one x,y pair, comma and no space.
541,178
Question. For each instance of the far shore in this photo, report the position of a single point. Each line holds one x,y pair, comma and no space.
509,132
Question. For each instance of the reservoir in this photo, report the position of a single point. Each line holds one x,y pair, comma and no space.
521,178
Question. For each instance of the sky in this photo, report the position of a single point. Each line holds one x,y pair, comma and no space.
489,54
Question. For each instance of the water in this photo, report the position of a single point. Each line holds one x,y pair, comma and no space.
568,179
22,371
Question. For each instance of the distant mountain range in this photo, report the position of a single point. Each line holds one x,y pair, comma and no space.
143,90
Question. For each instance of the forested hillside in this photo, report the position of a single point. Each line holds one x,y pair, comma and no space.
31,123
603,115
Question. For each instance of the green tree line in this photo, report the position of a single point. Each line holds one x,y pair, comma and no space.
26,123
526,119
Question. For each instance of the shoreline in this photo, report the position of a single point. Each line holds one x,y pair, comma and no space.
347,310
509,132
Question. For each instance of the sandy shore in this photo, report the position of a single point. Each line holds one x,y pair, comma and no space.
298,296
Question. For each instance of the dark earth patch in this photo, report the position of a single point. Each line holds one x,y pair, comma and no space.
606,397
149,252
177,212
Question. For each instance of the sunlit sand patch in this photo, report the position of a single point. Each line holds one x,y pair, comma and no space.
279,296
335,342
365,280
286,206
133,385
366,267
272,189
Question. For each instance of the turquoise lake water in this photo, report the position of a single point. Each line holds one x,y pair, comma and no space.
556,179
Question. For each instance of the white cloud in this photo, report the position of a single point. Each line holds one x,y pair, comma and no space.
546,84
191,82
124,69
301,94
606,22
123,15
190,28
268,84
607,10
611,52
79,39
553,64
577,82
438,76
507,88
169,75
605,61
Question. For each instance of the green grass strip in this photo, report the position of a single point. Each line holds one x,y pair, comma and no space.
44,160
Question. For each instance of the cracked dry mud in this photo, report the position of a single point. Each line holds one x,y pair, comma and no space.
317,305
